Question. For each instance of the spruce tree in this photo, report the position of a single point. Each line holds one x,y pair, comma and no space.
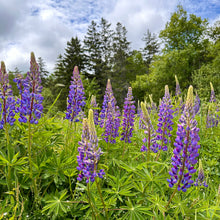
73,56
151,47
121,51
43,72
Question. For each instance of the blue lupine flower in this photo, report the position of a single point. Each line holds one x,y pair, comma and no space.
112,124
30,101
128,117
7,103
76,97
89,153
186,147
165,121
197,104
108,97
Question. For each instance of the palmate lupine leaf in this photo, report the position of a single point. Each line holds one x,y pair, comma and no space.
137,211
57,204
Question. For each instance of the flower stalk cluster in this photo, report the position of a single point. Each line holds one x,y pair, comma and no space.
128,118
76,97
89,153
165,121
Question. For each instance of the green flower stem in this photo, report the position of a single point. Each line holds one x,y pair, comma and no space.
71,191
100,194
217,205
29,149
9,157
91,205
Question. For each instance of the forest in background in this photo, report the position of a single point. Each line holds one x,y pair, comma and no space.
188,47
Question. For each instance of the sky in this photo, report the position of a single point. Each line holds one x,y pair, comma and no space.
45,26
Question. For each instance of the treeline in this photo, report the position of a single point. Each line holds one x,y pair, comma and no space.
187,47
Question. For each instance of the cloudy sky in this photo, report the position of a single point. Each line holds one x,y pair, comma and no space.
45,26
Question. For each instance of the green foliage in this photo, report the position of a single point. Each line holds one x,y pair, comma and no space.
183,30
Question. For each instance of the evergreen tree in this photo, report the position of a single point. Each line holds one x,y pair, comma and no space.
121,51
73,56
151,47
98,44
43,72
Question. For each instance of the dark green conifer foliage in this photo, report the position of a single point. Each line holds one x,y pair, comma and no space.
98,44
73,56
44,74
121,50
151,47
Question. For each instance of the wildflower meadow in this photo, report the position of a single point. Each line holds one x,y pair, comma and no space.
151,159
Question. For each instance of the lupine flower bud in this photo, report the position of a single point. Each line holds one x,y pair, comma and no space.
76,97
89,153
153,105
7,102
165,121
213,118
128,117
30,101
150,140
140,115
212,96
95,110
201,176
186,147
178,92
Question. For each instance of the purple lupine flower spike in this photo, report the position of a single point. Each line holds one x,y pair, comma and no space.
128,117
186,147
178,91
30,101
89,153
76,97
201,176
165,121
95,110
7,103
150,141
197,104
108,97
112,124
